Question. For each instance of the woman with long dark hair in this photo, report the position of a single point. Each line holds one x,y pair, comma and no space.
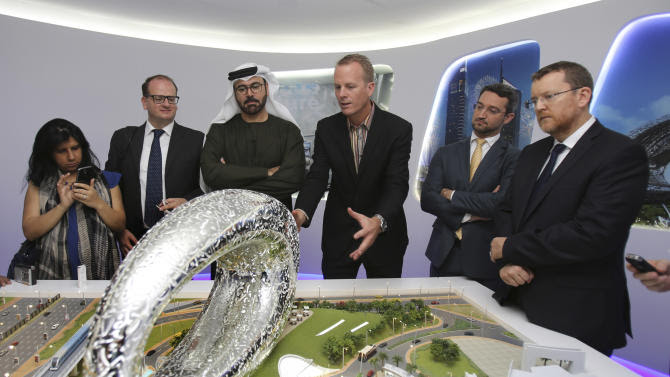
72,223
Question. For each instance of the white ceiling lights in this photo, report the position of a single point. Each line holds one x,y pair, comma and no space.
289,26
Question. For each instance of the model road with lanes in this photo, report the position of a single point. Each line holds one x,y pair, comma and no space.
13,313
28,339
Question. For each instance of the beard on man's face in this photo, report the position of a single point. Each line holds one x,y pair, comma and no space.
251,105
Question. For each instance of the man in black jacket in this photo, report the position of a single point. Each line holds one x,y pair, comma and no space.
159,161
367,150
466,180
564,223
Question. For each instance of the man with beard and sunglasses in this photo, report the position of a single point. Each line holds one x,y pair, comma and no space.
254,143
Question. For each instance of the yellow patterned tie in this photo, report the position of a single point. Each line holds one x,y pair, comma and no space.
476,156
474,164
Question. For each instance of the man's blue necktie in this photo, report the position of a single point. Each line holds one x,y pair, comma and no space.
546,173
154,190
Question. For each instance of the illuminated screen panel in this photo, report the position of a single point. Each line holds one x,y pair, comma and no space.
632,96
450,118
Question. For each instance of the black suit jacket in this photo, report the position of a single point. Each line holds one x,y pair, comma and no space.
182,168
573,234
380,187
450,168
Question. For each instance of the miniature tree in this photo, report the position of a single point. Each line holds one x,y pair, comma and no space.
411,368
383,357
352,341
332,349
444,351
375,362
177,338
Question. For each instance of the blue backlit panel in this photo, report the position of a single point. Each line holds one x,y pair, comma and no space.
632,96
450,118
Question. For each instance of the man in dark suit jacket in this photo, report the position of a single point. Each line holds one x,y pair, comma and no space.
465,182
129,154
367,151
565,221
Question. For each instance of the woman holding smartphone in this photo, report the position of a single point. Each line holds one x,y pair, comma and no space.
72,221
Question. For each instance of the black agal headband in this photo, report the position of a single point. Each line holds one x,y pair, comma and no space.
244,72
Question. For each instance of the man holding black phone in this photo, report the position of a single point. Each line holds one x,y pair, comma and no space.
654,274
159,161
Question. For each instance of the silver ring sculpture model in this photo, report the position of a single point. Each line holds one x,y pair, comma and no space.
255,241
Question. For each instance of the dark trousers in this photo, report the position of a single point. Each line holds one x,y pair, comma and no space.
376,266
453,266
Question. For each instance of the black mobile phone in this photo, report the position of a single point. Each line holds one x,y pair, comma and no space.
85,174
639,263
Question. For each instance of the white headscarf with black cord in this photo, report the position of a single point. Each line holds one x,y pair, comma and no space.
245,72
231,107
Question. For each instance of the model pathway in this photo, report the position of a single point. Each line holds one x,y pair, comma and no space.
359,326
330,328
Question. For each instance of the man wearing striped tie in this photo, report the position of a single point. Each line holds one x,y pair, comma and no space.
465,182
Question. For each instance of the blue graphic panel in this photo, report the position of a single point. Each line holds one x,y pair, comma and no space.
450,119
632,96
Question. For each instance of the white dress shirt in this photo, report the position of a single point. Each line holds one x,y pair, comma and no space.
144,159
569,143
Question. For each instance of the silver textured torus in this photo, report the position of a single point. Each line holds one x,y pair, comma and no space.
254,240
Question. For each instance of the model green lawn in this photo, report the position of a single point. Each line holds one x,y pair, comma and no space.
304,342
510,335
465,310
182,300
167,330
429,367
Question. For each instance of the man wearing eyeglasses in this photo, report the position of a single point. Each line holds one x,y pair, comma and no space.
465,182
565,220
254,143
159,161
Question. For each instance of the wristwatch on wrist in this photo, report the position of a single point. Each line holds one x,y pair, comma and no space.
382,223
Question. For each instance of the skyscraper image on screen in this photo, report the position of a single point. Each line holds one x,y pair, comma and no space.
458,92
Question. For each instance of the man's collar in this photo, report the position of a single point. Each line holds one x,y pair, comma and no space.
571,140
489,140
148,128
367,122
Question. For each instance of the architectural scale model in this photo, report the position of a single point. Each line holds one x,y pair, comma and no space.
368,336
